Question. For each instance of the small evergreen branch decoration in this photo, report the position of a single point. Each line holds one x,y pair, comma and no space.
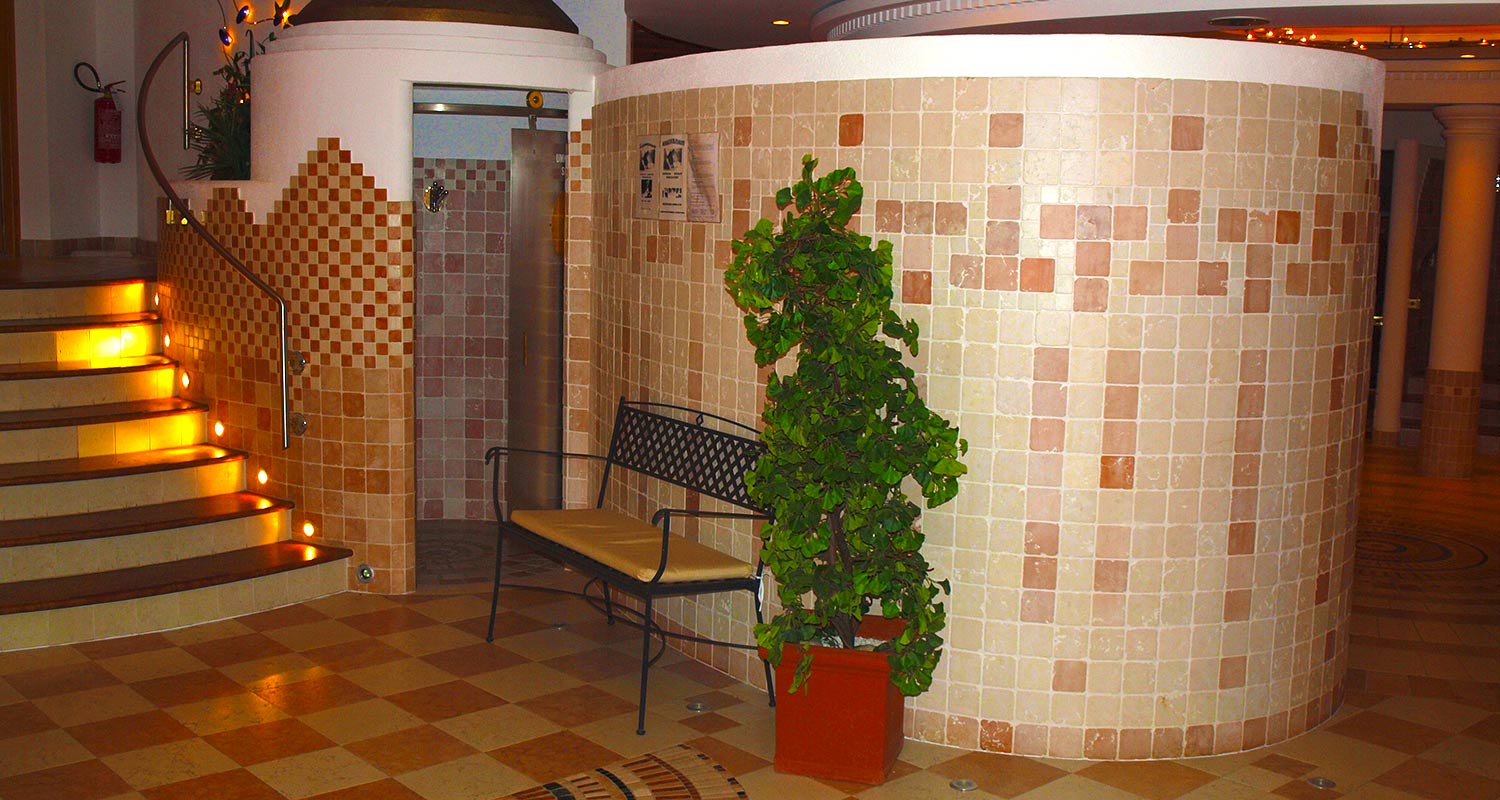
844,432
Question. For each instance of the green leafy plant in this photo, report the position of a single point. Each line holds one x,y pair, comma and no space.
844,432
222,141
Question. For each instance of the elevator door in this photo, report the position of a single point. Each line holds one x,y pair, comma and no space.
534,349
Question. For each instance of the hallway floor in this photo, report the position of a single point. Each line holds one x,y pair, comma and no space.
359,696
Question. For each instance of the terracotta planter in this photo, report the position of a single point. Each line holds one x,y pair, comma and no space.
845,722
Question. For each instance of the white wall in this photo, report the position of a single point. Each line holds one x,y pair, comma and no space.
603,21
65,193
156,22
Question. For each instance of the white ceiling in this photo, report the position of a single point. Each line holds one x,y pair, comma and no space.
732,24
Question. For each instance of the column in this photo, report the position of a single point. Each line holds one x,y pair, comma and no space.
1391,375
1450,403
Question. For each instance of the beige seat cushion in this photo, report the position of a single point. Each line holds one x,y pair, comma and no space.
629,545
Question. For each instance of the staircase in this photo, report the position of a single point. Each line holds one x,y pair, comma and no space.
118,515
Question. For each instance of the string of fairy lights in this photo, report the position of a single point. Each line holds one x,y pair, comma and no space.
1395,40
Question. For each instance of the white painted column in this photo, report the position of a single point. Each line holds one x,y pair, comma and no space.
1450,404
1391,375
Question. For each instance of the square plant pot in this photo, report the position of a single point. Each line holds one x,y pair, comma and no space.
845,722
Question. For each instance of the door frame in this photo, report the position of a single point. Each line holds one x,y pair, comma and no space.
10,161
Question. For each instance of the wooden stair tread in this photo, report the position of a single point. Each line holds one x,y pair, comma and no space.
156,579
74,323
95,414
137,519
74,469
69,369
76,270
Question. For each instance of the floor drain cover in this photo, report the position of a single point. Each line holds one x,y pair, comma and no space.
1321,783
561,626
697,705
962,785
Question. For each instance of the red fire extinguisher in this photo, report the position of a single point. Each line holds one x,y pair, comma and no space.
107,117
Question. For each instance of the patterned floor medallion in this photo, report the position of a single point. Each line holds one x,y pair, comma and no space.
679,772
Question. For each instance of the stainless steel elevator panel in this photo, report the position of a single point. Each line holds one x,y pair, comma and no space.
534,349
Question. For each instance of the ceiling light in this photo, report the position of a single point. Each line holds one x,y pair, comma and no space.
1467,55
781,22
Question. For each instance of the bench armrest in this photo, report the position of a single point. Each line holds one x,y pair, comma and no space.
496,453
665,515
663,518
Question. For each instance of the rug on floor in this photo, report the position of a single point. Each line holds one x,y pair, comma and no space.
676,773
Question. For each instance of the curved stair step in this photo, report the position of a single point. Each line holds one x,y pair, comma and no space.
79,322
32,419
94,467
137,519
157,579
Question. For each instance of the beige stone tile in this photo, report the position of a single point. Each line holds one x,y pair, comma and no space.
315,634
208,717
1466,753
152,664
1345,760
544,644
169,763
1071,787
362,720
759,740
1432,712
477,777
348,604
431,639
317,772
274,671
1374,791
40,751
398,676
524,681
497,727
767,782
93,705
618,734
1227,789
453,609
922,786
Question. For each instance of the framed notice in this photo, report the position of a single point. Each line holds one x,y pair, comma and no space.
677,177
648,175
703,177
671,186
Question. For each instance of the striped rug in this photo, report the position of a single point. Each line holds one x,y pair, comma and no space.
678,773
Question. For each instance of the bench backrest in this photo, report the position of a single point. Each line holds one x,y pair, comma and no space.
676,445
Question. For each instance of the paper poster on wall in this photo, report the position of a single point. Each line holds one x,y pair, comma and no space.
703,177
648,174
671,187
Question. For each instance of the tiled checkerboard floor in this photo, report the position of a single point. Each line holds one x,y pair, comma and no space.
385,698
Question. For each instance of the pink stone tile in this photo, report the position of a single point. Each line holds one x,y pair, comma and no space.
1092,259
1002,273
1037,275
1058,221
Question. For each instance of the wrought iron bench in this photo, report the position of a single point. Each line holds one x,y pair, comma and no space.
647,560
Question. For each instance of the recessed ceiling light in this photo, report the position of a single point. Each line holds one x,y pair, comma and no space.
1239,22
1467,55
781,22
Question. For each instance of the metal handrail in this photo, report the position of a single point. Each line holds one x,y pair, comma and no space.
239,266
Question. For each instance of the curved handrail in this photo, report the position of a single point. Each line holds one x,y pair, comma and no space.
239,266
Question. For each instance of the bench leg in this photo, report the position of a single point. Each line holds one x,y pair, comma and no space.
640,727
770,682
495,594
609,606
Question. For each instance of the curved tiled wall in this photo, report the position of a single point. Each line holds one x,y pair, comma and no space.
1143,269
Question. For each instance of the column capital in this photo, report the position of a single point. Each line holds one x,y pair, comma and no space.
1472,119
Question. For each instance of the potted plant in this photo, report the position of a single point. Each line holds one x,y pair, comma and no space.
847,435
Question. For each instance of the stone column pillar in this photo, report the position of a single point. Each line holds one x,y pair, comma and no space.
1391,375
1450,404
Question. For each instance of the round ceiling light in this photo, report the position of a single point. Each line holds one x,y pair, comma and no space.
1239,22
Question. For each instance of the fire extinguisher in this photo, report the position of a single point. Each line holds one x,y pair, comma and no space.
108,124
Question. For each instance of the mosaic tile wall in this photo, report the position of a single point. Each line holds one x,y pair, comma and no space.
1145,301
461,265
341,255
